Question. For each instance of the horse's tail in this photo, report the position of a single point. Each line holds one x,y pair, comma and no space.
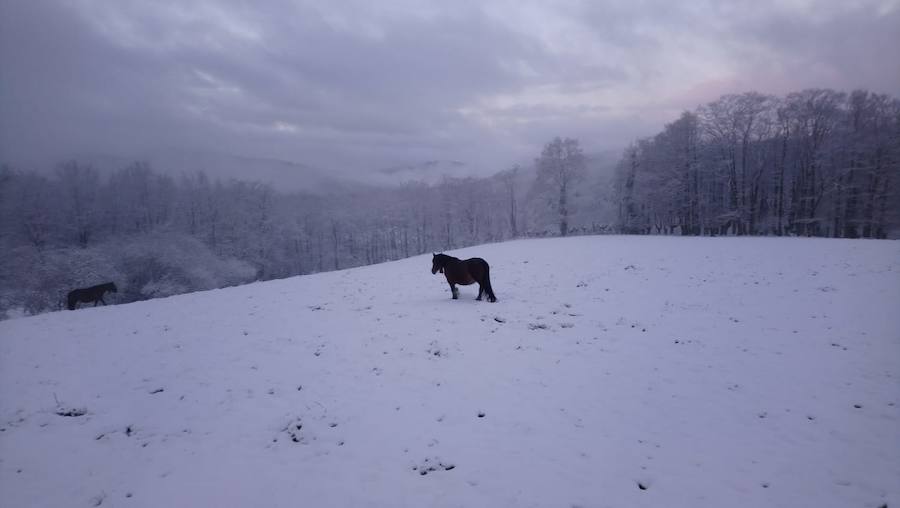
487,282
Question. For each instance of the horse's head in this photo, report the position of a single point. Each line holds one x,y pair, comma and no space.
437,263
113,288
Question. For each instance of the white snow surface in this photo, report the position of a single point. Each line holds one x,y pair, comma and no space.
613,371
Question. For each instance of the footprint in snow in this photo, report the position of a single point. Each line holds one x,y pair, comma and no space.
71,412
435,350
430,465
294,432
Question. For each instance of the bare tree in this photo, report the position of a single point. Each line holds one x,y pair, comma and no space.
79,186
560,166
509,179
815,163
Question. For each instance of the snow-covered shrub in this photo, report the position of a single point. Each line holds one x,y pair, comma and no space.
165,264
143,267
43,278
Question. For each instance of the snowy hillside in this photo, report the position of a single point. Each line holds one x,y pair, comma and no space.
614,371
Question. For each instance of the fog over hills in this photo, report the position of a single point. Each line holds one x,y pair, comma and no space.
290,176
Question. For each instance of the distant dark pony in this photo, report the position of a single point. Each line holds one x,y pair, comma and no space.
91,294
465,272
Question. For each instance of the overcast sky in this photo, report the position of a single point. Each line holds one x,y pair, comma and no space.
361,85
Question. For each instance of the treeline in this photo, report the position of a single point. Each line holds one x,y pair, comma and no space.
157,235
814,163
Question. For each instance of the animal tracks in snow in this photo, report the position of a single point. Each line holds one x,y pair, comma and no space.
294,431
432,464
71,412
686,358
435,350
308,431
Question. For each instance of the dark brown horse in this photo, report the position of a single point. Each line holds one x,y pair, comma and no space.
91,294
464,272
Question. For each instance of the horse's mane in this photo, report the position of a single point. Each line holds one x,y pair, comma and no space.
445,257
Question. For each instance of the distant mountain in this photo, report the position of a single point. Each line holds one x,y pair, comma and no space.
290,176
284,175
432,171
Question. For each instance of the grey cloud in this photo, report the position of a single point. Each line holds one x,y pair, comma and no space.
359,86
853,48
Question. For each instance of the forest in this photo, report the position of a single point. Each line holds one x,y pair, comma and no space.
158,235
813,163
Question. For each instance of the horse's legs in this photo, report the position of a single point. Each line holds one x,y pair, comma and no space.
96,302
480,291
103,301
454,291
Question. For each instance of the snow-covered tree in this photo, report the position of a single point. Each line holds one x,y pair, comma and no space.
560,167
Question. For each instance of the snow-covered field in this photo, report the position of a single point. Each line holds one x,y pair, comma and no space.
614,371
